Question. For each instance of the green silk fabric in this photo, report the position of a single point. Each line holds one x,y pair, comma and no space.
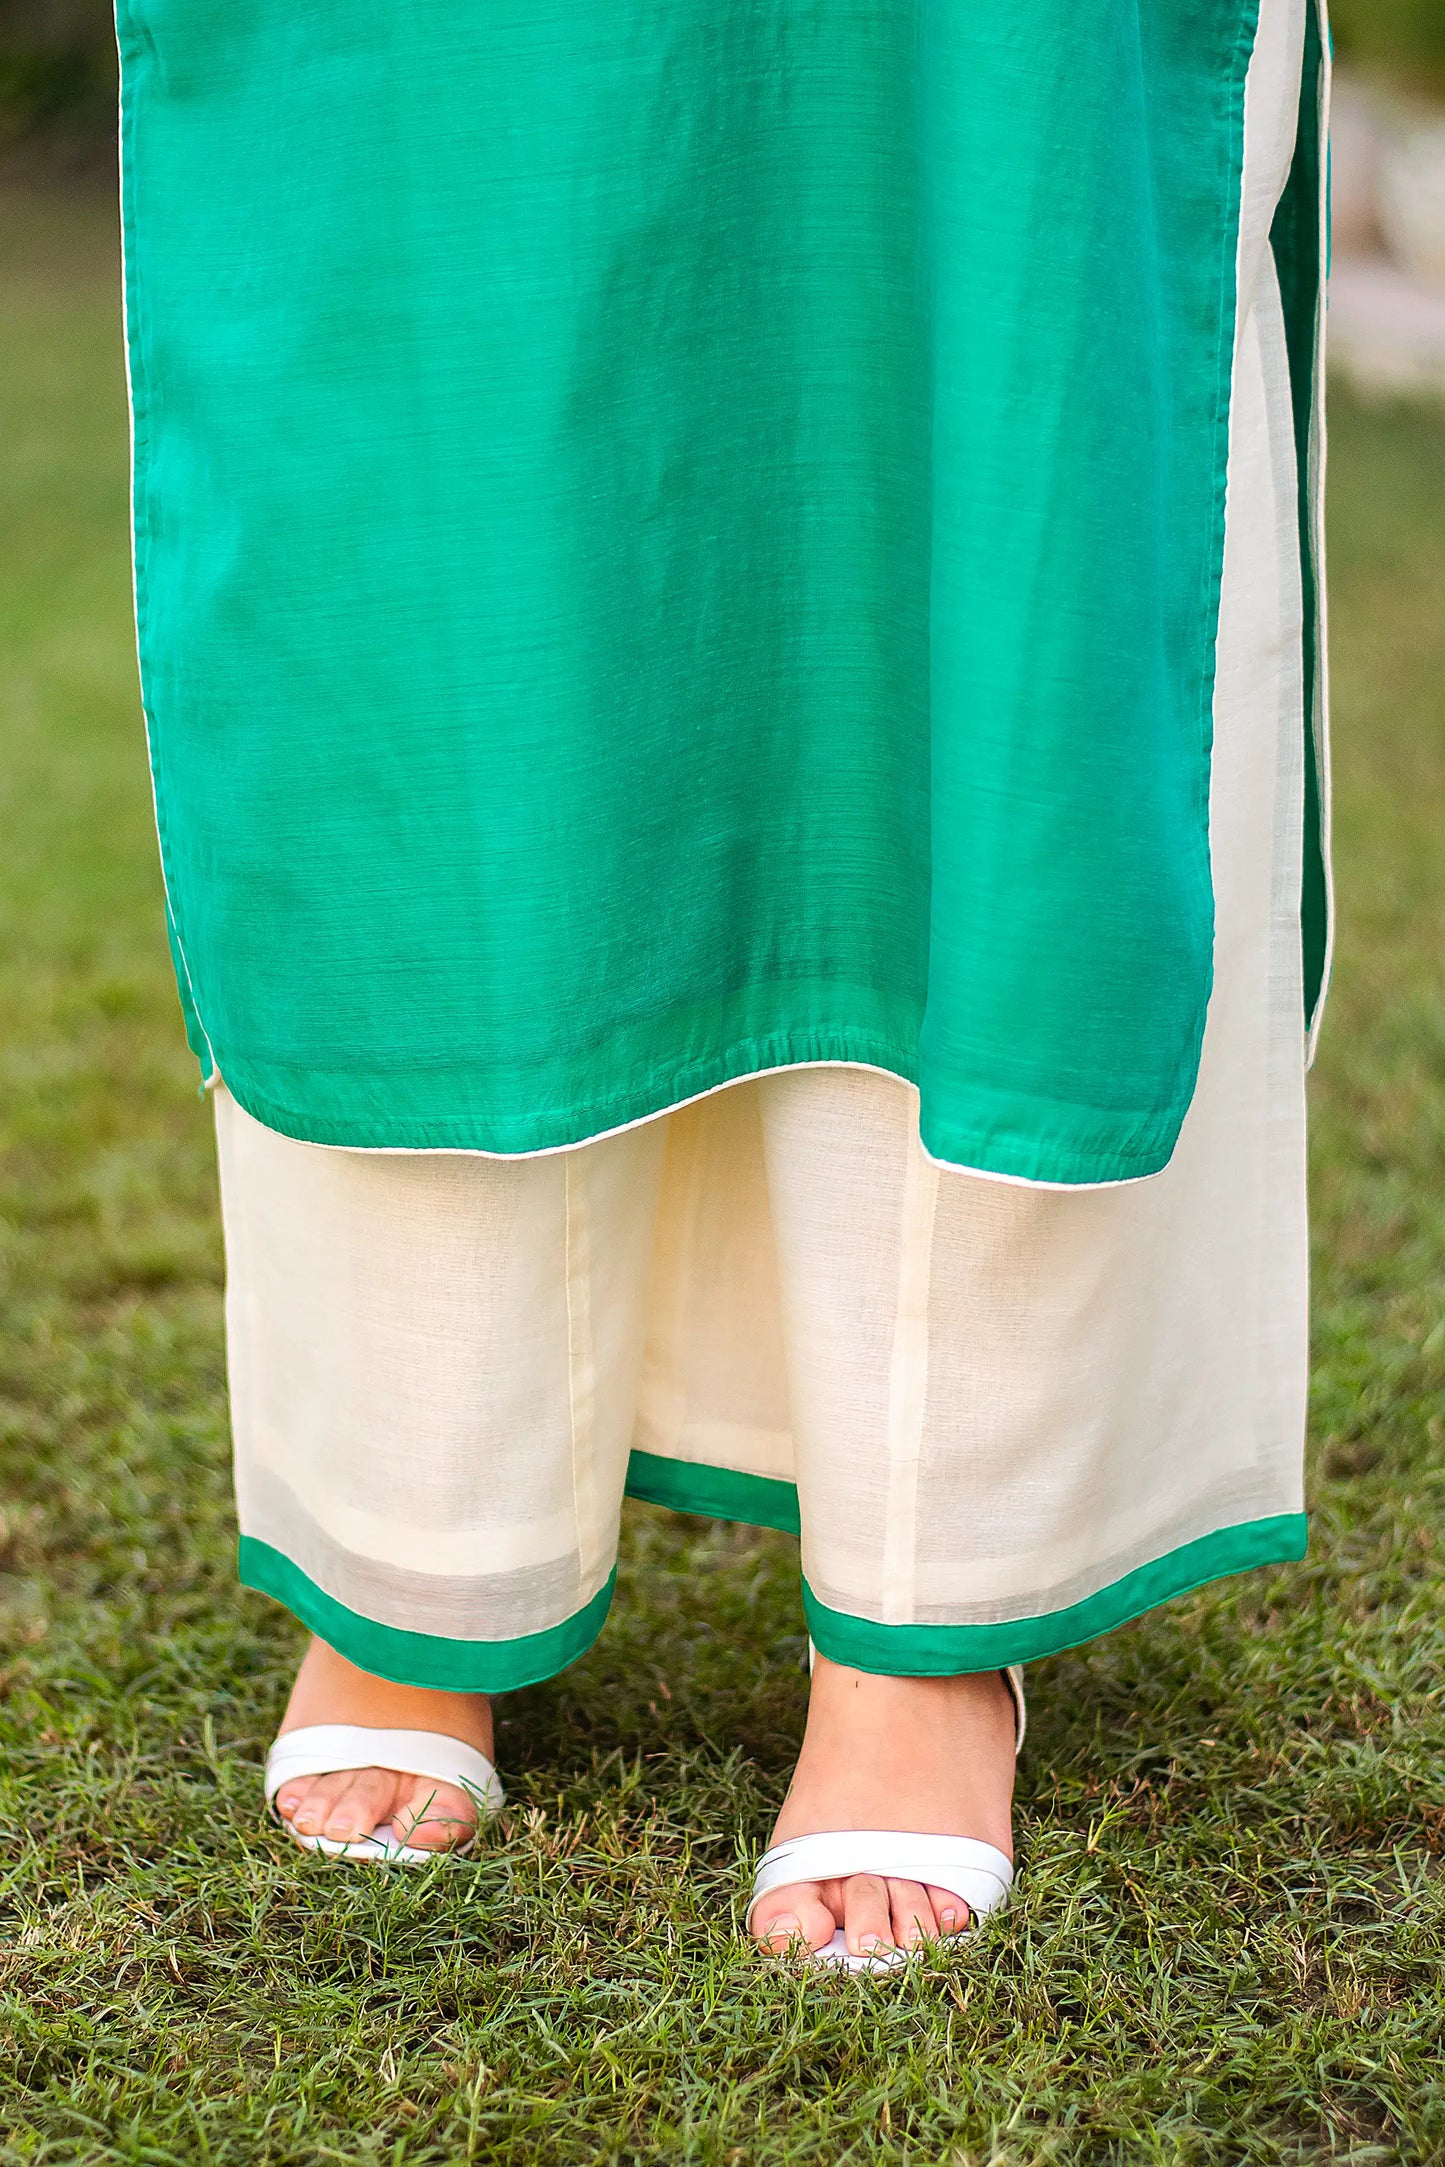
675,537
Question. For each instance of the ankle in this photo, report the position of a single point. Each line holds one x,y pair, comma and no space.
930,1755
859,1695
331,1689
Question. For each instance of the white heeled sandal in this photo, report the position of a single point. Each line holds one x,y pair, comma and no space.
326,1749
978,1873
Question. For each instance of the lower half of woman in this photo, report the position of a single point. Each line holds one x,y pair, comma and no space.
728,610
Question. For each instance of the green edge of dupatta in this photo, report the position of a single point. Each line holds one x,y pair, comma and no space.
461,1666
1299,240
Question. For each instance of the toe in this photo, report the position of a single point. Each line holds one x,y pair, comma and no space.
912,1914
867,1914
951,1912
434,1816
366,1801
318,1794
793,1915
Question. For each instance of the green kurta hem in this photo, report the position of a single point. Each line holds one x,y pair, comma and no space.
1047,1144
927,1651
459,1666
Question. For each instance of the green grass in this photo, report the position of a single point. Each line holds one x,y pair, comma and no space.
1228,1935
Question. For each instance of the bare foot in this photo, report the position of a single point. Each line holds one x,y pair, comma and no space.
357,1801
929,1756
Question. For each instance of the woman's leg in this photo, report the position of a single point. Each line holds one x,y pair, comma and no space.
859,1217
927,1755
433,1390
1020,1415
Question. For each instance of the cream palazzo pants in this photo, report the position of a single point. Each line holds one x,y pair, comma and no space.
1004,1418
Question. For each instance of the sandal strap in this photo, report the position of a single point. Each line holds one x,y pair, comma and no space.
974,1871
325,1749
382,1848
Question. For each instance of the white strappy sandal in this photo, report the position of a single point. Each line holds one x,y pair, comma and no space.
325,1749
975,1871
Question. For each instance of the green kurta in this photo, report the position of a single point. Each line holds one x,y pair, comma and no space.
679,537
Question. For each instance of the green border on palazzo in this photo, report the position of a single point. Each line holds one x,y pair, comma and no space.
936,1651
942,1651
717,1493
463,1666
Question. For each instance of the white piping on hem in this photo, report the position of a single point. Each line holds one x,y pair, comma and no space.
778,1068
